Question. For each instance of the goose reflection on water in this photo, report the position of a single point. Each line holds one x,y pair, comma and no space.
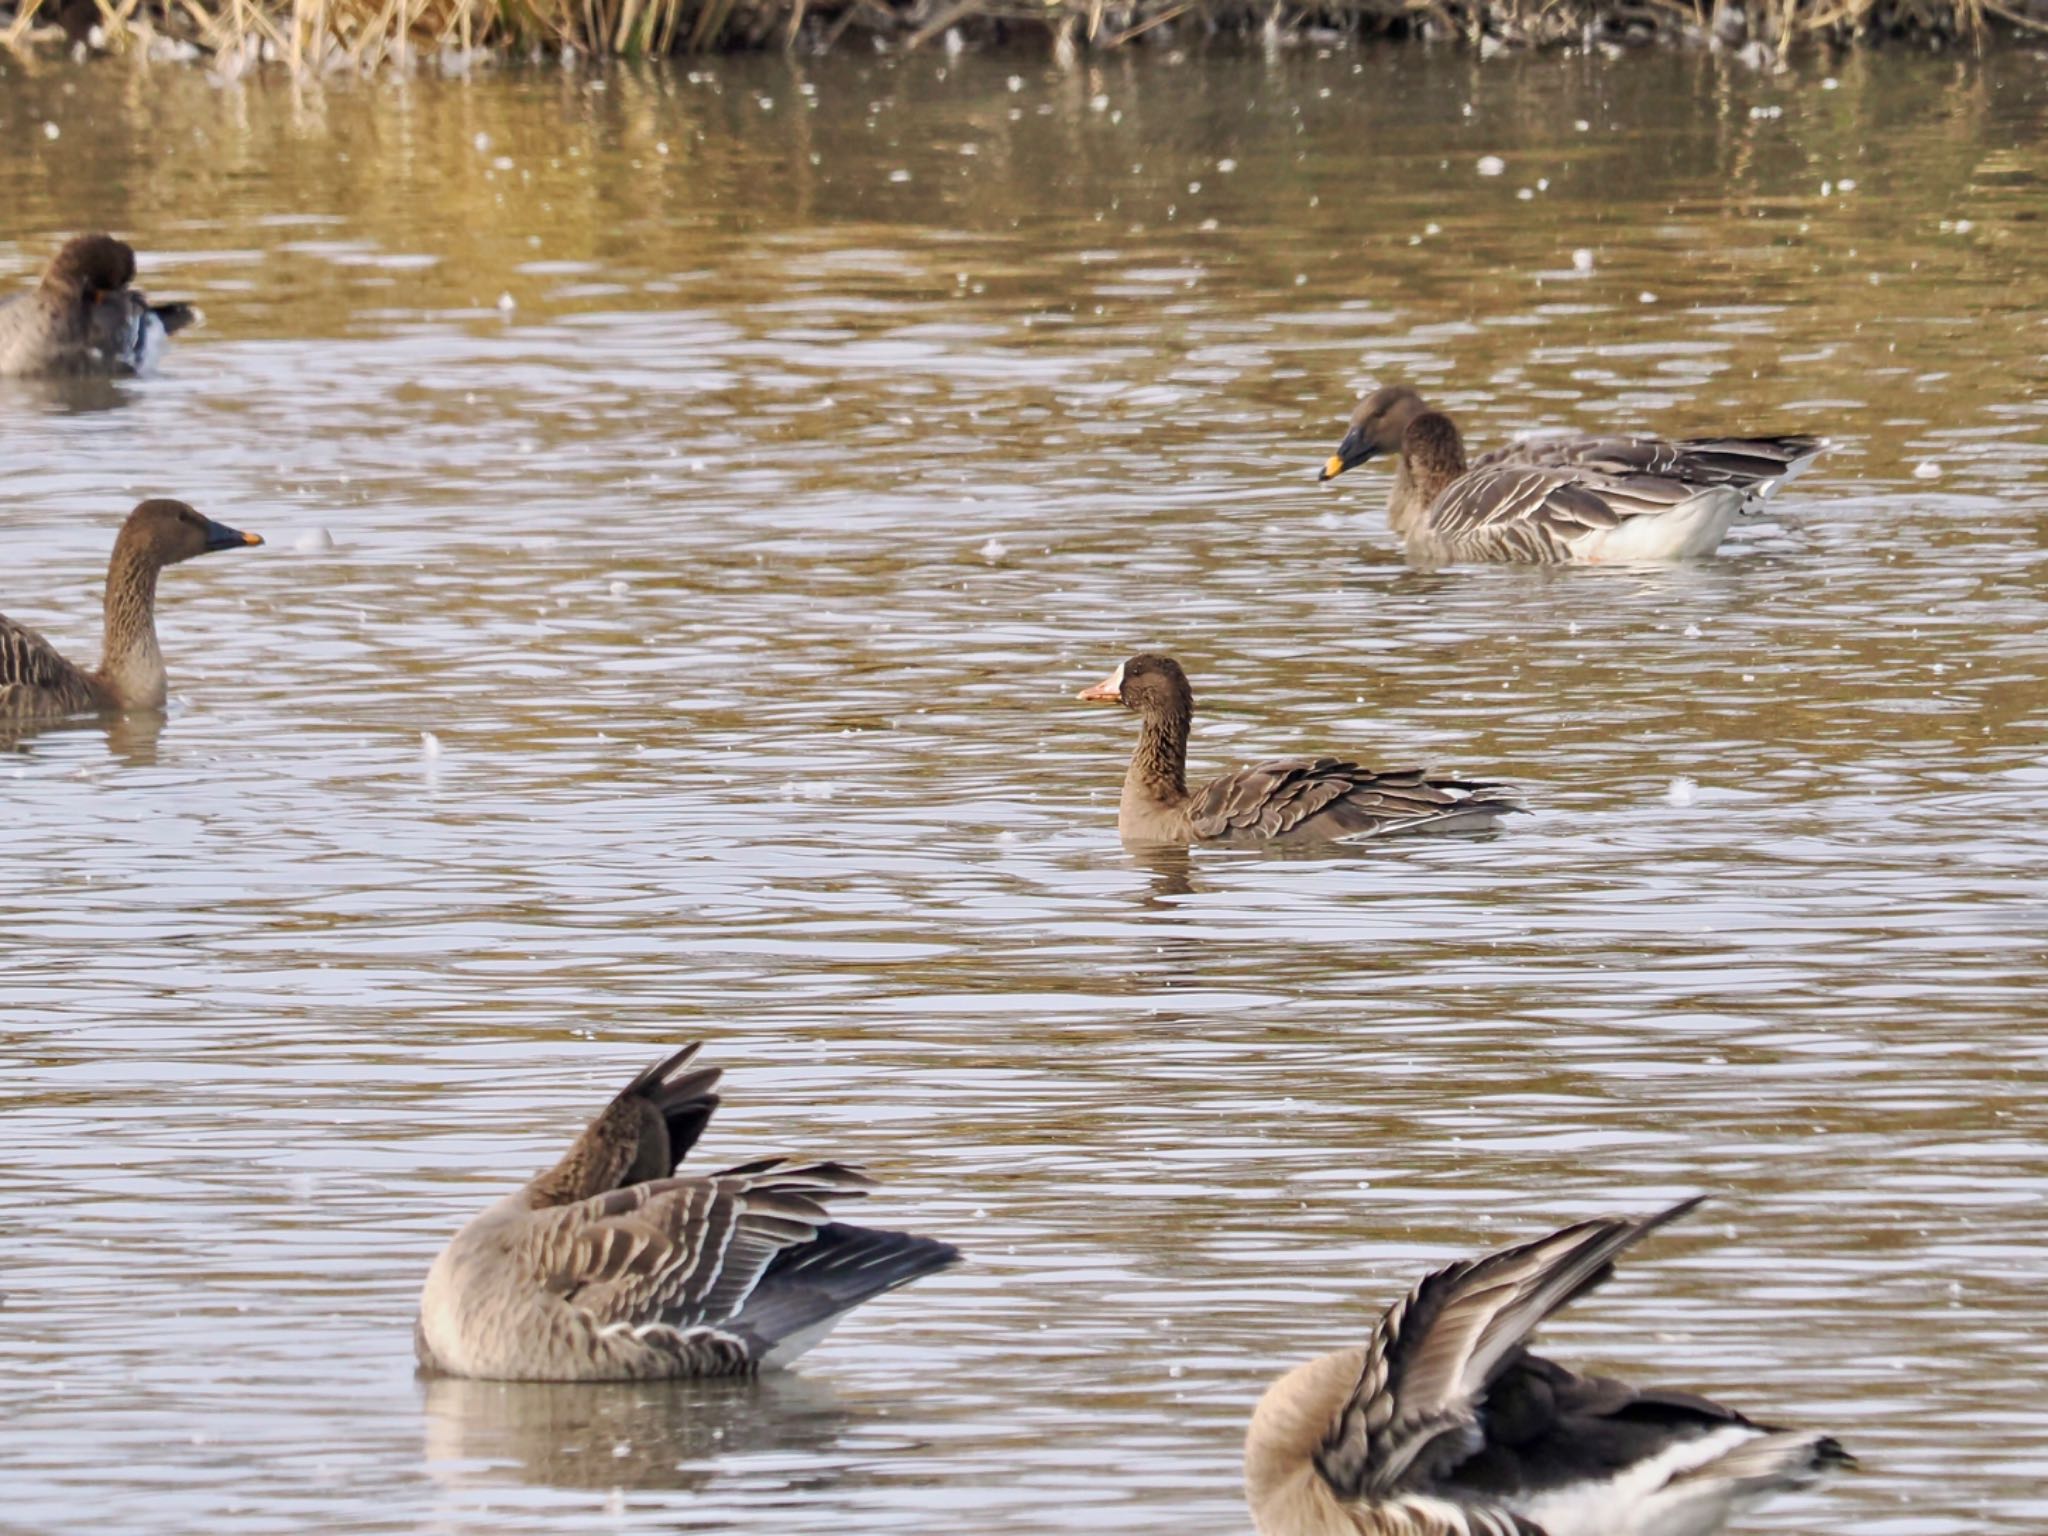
671,1435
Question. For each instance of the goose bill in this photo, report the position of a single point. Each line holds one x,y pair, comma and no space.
1109,691
221,536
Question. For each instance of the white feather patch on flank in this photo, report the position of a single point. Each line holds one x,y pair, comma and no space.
789,1346
147,348
1639,1501
1692,528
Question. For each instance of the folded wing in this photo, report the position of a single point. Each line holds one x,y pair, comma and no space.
35,679
1328,797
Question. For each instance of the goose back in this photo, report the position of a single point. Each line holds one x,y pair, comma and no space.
1329,799
37,681
1754,465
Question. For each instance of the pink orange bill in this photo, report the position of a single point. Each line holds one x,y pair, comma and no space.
1109,691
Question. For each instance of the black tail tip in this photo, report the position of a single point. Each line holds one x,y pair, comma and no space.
175,317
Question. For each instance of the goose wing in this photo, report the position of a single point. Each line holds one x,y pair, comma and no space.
1753,464
35,679
684,1254
1413,1414
1329,797
1523,513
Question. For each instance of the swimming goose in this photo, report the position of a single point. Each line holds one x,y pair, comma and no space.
1322,799
36,682
610,1266
1443,1423
1550,501
83,318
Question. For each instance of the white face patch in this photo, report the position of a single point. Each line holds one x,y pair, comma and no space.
1117,681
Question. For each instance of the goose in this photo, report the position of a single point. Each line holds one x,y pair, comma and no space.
1322,799
1444,1424
1551,501
83,318
611,1266
38,683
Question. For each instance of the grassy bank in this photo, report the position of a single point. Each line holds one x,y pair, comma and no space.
324,36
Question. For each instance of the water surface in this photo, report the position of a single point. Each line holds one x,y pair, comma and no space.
734,474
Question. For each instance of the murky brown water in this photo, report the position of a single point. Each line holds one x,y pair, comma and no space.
844,421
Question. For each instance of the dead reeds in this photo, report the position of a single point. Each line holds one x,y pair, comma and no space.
316,37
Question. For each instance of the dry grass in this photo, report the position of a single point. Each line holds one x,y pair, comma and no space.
315,37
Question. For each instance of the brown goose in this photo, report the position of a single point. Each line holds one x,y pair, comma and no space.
83,318
1444,1424
611,1266
1322,799
1552,501
36,682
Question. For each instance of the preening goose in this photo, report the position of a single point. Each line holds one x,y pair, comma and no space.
83,318
1443,1423
37,683
611,1266
1321,799
1552,501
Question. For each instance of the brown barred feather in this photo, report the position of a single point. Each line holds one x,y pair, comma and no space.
612,1265
1436,1350
36,680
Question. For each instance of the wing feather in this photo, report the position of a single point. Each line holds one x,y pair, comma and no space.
1329,797
1539,515
1434,1352
685,1253
1748,462
35,677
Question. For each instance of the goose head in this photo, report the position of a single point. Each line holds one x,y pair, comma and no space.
1376,427
162,532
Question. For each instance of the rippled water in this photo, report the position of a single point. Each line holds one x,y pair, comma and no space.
836,424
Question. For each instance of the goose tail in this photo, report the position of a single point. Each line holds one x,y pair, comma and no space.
177,317
810,1286
1772,1462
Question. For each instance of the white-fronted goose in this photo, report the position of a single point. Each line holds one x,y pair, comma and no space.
1321,799
83,318
36,682
1443,1423
1551,501
610,1266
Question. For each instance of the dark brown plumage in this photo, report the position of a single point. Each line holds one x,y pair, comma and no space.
1560,499
1444,1424
610,1265
1322,799
37,682
84,318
